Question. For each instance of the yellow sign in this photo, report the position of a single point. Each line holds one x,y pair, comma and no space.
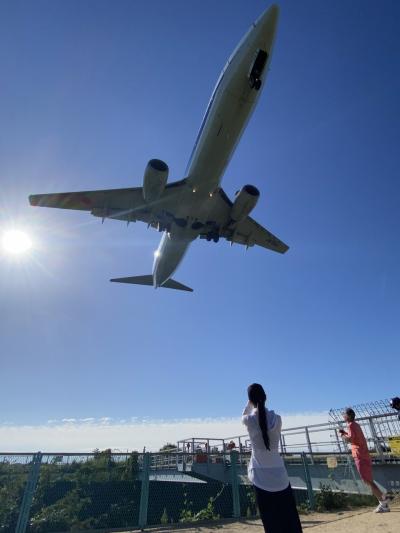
331,461
394,443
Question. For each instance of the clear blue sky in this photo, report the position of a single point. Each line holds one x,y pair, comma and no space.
89,92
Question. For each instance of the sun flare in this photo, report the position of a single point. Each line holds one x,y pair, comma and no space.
16,242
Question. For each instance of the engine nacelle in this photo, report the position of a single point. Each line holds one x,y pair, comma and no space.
245,201
154,180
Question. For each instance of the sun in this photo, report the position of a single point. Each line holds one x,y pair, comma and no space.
16,242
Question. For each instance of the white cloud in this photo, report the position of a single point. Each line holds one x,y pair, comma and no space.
84,435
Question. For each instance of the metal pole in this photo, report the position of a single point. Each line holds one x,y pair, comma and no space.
30,488
338,441
376,439
283,441
235,484
351,469
308,481
309,445
144,495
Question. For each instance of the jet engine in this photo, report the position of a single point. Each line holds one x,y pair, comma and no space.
244,202
155,179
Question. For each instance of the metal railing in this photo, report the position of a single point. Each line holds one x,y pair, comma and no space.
315,439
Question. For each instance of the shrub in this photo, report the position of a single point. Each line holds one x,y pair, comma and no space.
327,500
164,517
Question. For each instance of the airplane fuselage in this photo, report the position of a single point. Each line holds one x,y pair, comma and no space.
229,109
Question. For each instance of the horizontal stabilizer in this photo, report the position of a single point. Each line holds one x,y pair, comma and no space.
172,284
148,280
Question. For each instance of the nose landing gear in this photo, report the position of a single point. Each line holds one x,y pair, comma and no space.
255,83
257,69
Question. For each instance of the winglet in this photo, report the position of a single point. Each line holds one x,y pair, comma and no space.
148,280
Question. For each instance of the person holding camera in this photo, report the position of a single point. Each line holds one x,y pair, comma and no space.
359,450
395,404
266,469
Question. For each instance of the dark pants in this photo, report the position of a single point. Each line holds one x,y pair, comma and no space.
278,511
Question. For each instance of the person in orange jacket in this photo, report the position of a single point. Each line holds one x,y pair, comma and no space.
359,450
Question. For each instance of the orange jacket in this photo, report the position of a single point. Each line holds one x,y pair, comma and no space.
359,447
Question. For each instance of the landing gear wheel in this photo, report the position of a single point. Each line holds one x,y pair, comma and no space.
255,83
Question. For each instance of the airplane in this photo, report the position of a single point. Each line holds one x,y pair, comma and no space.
196,206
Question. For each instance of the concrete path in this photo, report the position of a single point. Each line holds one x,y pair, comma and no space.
359,521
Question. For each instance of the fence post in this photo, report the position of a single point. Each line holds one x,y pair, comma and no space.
281,443
375,439
339,443
29,491
308,481
309,445
235,484
351,469
144,494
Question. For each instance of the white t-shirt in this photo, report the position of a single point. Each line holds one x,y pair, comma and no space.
266,469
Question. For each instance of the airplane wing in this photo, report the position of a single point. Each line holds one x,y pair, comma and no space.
250,233
247,232
120,204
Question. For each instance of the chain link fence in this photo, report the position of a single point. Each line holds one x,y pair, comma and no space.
14,472
381,426
200,480
42,493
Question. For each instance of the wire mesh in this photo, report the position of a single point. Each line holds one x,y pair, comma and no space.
183,501
86,492
198,480
380,424
182,491
14,471
104,490
367,409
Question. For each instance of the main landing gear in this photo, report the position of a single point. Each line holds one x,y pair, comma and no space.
212,237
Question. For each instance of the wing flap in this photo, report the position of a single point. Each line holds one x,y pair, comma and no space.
250,233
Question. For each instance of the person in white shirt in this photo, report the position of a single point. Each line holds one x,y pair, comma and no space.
266,469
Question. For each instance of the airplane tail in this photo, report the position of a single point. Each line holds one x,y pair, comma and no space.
148,280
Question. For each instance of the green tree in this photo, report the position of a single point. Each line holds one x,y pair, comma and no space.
169,447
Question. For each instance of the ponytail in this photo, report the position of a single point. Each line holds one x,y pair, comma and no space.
258,398
262,420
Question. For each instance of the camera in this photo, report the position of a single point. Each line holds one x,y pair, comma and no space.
395,403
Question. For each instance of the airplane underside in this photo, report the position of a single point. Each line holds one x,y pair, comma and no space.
196,206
